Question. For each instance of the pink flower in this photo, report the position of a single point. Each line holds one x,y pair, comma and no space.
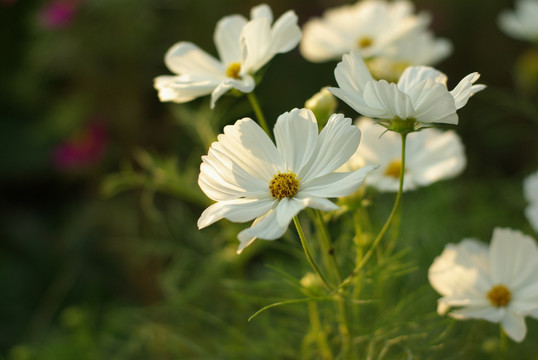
83,149
58,14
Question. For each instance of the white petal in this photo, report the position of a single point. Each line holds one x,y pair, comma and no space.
180,90
255,42
226,38
285,34
352,74
319,203
187,58
461,269
296,134
513,257
336,184
238,210
355,100
262,11
245,85
514,326
265,227
416,74
248,146
489,313
382,95
435,155
322,42
327,157
222,179
286,210
433,103
465,89
531,212
530,187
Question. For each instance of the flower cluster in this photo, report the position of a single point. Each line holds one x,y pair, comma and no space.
252,178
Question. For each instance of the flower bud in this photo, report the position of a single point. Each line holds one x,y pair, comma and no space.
323,104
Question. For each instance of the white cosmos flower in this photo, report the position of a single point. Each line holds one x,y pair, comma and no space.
243,46
420,96
498,284
378,30
251,178
530,190
521,24
431,155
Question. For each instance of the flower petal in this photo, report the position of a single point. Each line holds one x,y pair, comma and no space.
461,269
435,155
514,326
285,34
255,42
336,184
246,84
433,103
178,89
489,313
237,210
465,89
226,37
413,75
265,227
296,134
327,157
262,11
382,95
187,58
248,146
287,208
513,257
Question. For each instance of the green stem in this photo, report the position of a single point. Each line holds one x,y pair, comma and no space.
319,333
330,260
503,343
385,227
258,111
308,254
326,244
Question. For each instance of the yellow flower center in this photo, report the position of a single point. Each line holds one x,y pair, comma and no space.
365,42
499,296
394,169
233,70
284,185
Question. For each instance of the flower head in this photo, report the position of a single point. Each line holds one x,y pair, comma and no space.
378,30
419,97
243,46
251,178
431,155
530,190
521,24
498,284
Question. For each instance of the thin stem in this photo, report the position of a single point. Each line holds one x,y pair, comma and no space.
309,254
503,343
258,111
326,244
319,333
330,260
385,227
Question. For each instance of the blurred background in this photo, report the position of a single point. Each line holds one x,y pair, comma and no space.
100,257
